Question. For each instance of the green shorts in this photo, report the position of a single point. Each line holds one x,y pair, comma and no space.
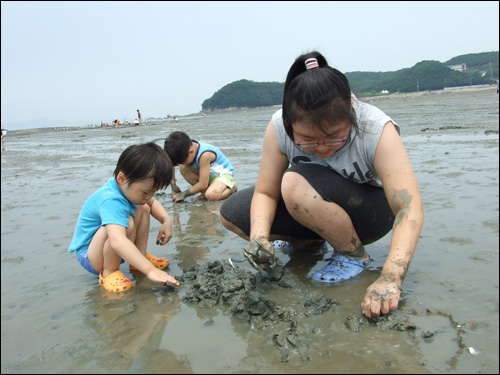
226,179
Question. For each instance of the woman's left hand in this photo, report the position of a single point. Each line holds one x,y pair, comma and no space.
381,297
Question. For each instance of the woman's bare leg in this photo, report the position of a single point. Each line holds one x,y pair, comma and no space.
327,219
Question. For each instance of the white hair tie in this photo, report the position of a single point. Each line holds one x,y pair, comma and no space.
311,63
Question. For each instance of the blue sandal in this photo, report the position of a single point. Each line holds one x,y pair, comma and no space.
341,267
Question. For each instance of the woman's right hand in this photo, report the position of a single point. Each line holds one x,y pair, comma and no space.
262,252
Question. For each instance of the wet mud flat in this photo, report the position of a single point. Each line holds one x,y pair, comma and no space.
56,318
291,325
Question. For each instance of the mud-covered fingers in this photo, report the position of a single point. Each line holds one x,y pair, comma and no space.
385,306
394,303
371,306
249,256
265,251
365,306
375,306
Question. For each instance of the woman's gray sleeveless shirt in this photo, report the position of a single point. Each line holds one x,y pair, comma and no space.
354,160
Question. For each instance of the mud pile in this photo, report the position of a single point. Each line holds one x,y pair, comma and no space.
247,295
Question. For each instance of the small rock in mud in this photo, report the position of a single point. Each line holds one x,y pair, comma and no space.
353,322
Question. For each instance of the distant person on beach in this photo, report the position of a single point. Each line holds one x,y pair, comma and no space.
203,165
3,135
332,169
113,225
139,116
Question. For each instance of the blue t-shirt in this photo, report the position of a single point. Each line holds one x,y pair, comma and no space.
220,166
107,205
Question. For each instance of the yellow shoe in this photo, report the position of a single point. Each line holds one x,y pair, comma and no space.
159,263
115,282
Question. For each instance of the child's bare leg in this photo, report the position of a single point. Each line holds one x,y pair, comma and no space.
218,191
101,256
192,176
140,233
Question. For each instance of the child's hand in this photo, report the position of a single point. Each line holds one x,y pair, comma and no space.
159,276
181,196
178,197
164,234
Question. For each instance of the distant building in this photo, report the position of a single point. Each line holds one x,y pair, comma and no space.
459,67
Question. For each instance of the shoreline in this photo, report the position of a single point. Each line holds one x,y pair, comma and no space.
403,96
450,90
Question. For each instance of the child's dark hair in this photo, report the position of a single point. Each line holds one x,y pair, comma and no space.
177,146
144,161
318,96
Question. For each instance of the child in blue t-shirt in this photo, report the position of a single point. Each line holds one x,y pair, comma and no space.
113,225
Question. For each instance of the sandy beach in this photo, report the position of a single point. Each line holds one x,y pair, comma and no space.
55,318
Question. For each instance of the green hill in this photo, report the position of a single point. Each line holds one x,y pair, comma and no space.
482,68
429,75
246,93
478,61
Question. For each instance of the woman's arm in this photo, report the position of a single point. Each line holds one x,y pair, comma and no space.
267,193
401,188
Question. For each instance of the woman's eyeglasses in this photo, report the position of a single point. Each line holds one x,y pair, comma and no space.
326,142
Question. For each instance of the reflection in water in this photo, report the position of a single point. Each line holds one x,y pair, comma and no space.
130,324
197,230
209,337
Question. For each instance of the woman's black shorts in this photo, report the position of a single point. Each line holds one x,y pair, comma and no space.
365,204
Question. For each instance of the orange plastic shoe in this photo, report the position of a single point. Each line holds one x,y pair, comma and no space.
115,282
159,263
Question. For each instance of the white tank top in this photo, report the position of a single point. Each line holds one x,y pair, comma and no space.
355,159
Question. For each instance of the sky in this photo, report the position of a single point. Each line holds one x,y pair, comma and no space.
76,63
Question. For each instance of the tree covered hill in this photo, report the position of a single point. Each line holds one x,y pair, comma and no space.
246,93
429,75
482,68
